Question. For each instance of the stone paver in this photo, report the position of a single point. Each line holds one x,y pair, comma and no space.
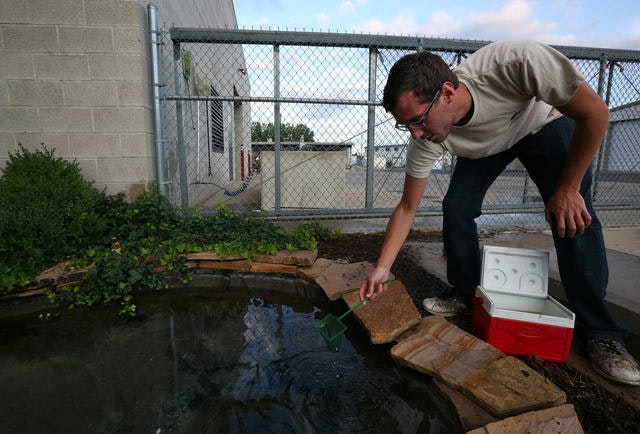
471,415
212,256
500,384
302,258
438,348
261,267
222,265
560,419
339,278
508,386
388,315
284,262
311,273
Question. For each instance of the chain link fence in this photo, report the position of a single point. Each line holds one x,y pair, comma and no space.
290,123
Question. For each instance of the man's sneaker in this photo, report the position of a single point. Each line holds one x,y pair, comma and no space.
444,307
612,360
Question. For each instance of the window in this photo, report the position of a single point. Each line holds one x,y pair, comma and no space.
215,123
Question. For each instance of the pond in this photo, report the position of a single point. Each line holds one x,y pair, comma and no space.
205,360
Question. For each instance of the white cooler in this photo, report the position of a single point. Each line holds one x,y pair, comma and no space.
512,309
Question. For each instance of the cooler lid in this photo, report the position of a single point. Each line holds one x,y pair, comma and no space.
516,271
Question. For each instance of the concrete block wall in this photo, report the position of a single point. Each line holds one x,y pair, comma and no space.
74,75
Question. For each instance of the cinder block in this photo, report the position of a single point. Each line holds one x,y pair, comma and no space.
61,12
119,119
19,38
66,119
90,94
112,13
53,141
86,145
19,119
111,188
130,93
86,39
62,66
35,93
89,168
125,170
4,94
127,40
136,144
16,65
115,67
15,11
7,144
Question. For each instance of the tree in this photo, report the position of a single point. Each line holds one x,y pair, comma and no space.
288,132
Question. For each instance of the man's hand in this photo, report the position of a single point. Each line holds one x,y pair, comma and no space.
565,210
567,213
375,283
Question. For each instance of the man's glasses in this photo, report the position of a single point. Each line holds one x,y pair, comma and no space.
420,122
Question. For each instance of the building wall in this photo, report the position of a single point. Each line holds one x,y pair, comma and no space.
314,179
74,75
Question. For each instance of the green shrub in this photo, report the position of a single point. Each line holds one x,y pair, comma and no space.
47,214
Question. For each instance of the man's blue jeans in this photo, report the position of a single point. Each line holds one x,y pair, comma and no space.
581,259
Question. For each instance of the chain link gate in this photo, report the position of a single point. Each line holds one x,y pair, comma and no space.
290,123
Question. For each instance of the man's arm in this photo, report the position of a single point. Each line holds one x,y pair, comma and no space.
566,209
396,233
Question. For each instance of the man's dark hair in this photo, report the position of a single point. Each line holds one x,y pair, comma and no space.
423,72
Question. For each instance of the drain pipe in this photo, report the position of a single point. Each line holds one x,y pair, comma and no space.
152,15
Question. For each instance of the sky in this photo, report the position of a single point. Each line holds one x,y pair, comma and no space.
603,24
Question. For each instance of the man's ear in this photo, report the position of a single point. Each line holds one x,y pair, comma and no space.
447,90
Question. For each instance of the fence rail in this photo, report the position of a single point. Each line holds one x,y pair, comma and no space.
290,123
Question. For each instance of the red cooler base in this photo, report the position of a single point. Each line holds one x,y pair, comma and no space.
523,338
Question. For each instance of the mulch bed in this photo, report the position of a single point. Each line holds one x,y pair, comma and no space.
598,410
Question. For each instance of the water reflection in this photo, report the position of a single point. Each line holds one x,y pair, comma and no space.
204,362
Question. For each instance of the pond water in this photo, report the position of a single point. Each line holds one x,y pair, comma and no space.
203,361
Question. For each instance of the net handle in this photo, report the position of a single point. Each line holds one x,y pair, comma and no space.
388,282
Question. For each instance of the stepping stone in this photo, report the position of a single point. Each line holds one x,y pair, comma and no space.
53,274
303,258
253,267
440,349
261,267
223,265
340,278
388,315
212,256
500,384
471,415
315,270
508,386
560,419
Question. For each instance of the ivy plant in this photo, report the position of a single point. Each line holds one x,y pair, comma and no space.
50,214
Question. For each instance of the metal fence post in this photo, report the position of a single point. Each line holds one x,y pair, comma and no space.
276,127
371,123
599,156
182,153
152,17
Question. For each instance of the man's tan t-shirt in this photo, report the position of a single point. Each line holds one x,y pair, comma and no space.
515,86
